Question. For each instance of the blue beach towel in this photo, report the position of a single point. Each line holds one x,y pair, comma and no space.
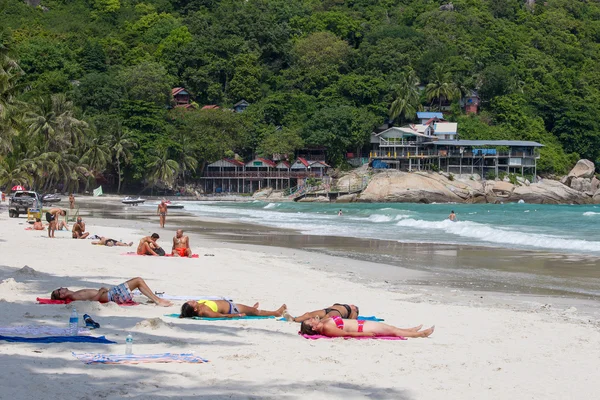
222,318
91,358
57,339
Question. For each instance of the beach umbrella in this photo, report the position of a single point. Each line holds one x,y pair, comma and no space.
17,187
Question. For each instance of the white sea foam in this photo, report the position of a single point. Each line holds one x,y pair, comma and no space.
590,213
270,205
501,236
380,218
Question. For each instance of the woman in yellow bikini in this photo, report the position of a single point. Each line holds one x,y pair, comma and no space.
224,309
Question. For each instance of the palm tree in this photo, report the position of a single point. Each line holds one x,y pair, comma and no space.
10,108
52,119
187,159
162,168
441,86
13,171
120,143
406,102
97,154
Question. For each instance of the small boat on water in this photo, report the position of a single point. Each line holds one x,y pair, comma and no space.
133,201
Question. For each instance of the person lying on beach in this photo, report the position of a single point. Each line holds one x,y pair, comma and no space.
224,309
79,229
148,245
119,294
37,225
346,311
104,241
181,245
337,326
52,219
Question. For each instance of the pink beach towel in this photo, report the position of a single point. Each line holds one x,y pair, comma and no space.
133,253
315,337
50,301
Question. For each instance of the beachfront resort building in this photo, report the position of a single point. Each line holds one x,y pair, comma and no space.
233,176
433,144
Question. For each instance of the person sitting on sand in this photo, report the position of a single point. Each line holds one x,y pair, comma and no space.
119,294
224,309
37,225
336,326
104,241
346,311
52,218
148,245
79,229
181,245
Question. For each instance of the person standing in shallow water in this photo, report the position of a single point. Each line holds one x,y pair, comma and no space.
340,213
162,212
71,201
452,216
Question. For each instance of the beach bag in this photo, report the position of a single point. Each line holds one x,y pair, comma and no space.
160,251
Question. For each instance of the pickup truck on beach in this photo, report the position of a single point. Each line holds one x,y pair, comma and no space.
21,201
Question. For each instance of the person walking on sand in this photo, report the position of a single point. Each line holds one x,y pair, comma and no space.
71,201
224,309
336,326
181,245
79,229
452,216
119,294
52,218
148,245
162,212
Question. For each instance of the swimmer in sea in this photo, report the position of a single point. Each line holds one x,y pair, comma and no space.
452,216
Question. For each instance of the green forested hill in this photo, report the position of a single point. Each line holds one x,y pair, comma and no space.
91,91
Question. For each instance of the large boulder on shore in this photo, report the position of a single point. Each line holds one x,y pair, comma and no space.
581,184
595,184
596,197
418,187
583,169
548,192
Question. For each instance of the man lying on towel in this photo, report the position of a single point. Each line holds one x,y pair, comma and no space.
224,309
119,294
181,245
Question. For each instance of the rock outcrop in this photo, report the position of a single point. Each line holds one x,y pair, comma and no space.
596,197
583,169
429,187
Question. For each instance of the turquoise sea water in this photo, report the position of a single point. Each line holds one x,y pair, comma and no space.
557,228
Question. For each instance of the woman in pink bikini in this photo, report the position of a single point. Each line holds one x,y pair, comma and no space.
335,326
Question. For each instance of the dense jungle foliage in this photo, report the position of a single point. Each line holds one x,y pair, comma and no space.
85,85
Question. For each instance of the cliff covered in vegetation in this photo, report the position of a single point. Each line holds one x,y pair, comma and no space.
85,85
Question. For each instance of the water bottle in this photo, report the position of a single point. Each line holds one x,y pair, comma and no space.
74,323
129,344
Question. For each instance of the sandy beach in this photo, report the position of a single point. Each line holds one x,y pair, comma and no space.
484,346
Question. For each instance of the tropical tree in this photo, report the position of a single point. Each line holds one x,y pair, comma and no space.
406,102
441,87
10,108
97,153
186,151
162,168
120,144
52,122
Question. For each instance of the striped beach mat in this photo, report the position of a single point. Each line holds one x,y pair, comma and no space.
93,358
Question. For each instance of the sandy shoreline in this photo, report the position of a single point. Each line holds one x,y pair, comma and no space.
481,348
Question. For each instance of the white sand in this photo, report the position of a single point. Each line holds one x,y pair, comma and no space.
477,352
